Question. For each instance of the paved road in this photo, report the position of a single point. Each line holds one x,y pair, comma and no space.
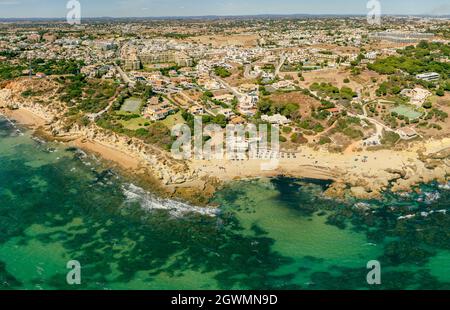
94,116
380,126
228,87
124,76
282,61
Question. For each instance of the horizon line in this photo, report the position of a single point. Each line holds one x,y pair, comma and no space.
230,16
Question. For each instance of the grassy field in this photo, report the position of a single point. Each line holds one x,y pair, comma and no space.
173,120
132,105
407,112
134,123
141,122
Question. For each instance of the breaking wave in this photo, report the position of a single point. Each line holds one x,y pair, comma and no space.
149,201
445,186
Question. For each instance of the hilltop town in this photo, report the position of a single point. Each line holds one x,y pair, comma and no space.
361,104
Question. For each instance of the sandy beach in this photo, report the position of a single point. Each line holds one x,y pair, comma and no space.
107,152
365,173
24,117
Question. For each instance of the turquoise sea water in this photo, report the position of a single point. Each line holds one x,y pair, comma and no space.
59,204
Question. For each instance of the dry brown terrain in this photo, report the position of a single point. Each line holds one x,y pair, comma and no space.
443,104
244,40
305,102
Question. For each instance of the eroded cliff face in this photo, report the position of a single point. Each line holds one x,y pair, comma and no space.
43,105
5,98
158,162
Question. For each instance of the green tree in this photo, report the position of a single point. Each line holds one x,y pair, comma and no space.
427,105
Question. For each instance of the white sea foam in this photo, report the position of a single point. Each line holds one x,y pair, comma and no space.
39,141
81,153
85,158
149,201
423,214
13,125
407,217
432,197
445,186
363,206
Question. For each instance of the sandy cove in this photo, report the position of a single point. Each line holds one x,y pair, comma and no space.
148,166
363,175
37,122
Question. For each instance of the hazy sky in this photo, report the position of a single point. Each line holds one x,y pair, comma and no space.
139,8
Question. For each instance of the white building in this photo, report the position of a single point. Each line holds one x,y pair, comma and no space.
228,113
407,133
276,119
371,55
197,110
430,76
227,98
417,95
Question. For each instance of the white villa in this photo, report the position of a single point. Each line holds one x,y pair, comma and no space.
418,96
276,119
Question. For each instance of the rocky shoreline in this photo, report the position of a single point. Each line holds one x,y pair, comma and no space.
398,170
151,167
